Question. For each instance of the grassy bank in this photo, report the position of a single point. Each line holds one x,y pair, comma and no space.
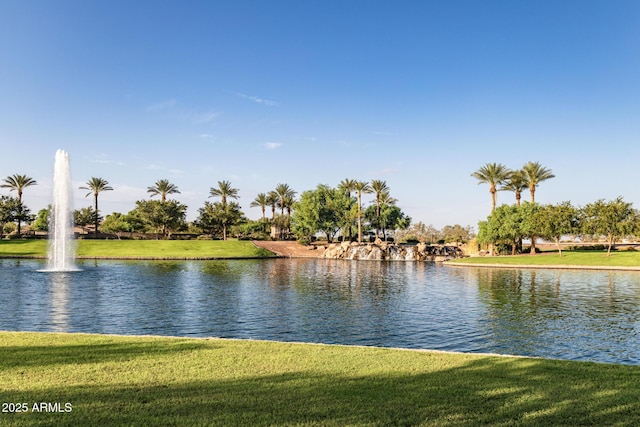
571,258
141,248
172,381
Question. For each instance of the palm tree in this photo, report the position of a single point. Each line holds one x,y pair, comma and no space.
18,183
162,188
534,174
348,185
379,187
95,187
223,191
284,192
361,187
261,200
272,200
515,182
493,174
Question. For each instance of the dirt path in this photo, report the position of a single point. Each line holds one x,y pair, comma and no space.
288,249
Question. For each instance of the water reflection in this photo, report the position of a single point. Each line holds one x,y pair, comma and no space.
59,300
562,314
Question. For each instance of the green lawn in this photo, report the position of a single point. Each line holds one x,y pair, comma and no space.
574,258
142,248
144,381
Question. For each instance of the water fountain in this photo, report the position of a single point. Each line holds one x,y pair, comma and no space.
61,253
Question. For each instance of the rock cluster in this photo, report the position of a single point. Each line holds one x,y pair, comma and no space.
389,251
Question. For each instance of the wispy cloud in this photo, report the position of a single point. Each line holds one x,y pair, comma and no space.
202,118
207,136
272,145
255,99
162,105
104,159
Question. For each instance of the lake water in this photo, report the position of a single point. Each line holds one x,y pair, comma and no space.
566,314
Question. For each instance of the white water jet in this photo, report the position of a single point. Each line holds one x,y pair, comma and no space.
61,253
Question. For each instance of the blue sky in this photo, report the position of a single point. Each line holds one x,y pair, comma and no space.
417,93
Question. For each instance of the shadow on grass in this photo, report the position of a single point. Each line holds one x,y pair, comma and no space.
41,356
481,392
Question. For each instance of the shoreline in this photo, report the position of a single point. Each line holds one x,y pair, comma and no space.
311,343
281,256
544,266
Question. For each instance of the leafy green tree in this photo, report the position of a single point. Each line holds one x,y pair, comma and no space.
10,208
613,219
116,223
532,217
41,223
420,232
390,217
162,217
216,218
493,174
534,173
360,188
457,233
85,216
324,210
18,183
558,220
95,187
163,188
254,230
503,226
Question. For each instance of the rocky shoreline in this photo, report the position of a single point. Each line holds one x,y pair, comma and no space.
390,251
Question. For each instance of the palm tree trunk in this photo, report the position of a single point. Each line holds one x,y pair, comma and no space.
359,218
96,214
493,199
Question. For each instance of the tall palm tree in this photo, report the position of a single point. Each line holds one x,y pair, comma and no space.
379,187
95,187
534,174
493,174
272,200
18,183
223,191
361,187
284,192
163,187
348,185
515,182
261,200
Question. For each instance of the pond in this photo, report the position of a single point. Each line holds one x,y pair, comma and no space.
568,314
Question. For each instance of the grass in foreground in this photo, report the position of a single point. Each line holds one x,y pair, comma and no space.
578,258
173,381
142,248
